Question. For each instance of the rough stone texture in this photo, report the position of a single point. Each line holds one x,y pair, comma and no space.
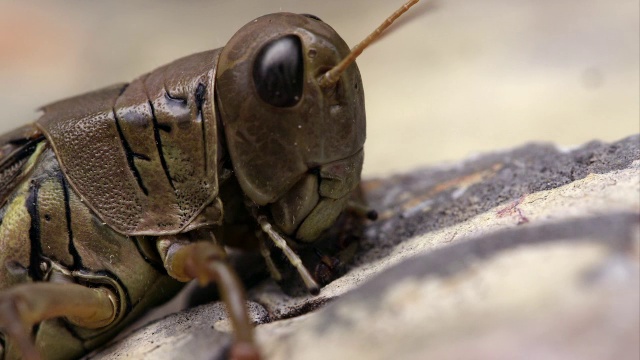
533,251
187,335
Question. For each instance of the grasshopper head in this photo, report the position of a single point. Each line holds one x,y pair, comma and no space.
296,145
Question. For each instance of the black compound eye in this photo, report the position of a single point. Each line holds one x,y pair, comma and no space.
278,72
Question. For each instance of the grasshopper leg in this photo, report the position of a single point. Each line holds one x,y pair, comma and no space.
206,262
358,205
362,210
25,305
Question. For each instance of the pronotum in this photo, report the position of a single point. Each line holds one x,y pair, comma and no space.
113,197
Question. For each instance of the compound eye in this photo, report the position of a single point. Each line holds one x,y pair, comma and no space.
278,72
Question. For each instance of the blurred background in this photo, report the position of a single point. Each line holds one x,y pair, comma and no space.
452,79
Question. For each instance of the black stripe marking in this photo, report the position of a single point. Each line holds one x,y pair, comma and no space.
77,259
165,127
26,150
201,91
182,101
172,101
156,134
130,155
141,156
35,329
124,88
73,332
35,255
19,142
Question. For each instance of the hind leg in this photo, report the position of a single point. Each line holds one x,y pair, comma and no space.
25,305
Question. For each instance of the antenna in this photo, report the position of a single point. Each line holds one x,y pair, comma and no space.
331,77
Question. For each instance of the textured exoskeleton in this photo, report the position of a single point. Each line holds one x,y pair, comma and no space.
91,189
112,197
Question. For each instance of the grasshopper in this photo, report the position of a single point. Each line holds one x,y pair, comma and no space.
112,199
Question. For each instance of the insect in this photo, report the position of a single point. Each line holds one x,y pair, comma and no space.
112,198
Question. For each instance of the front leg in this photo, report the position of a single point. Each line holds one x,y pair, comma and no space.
206,262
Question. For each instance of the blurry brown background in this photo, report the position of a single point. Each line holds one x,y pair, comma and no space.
455,78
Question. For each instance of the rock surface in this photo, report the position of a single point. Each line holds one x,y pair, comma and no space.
532,251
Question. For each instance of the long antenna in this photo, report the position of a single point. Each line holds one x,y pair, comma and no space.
331,77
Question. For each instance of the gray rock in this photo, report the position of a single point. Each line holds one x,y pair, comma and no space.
530,253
